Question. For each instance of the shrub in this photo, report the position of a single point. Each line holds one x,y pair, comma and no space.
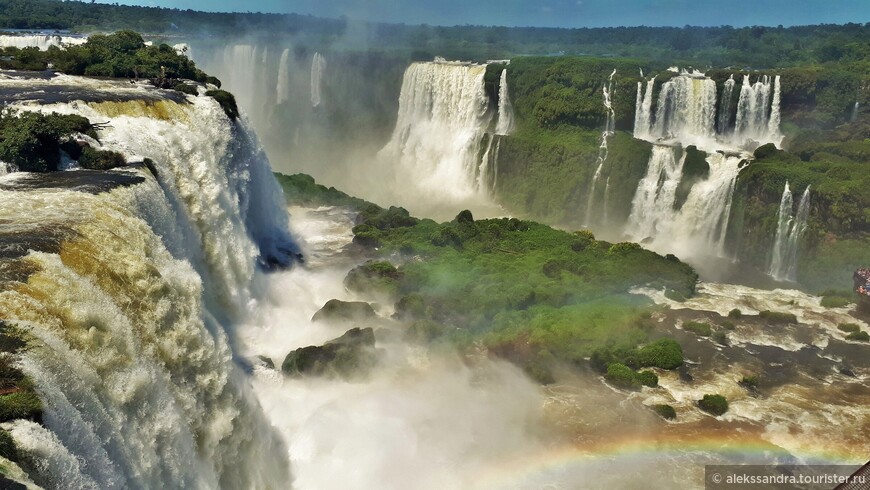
751,381
849,327
663,353
20,405
31,140
622,376
186,88
735,313
366,235
94,159
8,449
227,102
713,404
720,338
698,328
373,275
464,216
728,325
665,411
647,378
777,317
859,336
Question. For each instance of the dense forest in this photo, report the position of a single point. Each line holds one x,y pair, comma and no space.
755,47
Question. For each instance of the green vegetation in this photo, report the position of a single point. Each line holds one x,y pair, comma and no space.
713,404
849,327
750,382
100,159
622,376
227,102
8,449
720,338
861,336
348,357
344,311
302,190
32,140
665,411
777,317
119,55
530,293
698,328
837,298
735,313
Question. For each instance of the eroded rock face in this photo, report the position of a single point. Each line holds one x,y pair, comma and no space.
350,356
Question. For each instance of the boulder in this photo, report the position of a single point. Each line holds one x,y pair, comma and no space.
344,311
350,356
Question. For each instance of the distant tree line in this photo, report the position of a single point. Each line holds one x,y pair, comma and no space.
749,47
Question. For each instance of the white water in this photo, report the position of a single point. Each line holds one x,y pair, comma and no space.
652,208
282,89
505,109
444,114
318,66
42,41
789,231
609,130
133,320
758,114
725,106
697,228
686,112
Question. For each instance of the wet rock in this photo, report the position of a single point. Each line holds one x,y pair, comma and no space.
350,356
846,370
345,311
266,362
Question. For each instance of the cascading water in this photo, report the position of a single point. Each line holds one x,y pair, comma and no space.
318,65
282,89
725,107
505,109
444,114
790,229
643,114
652,209
609,130
686,108
757,115
131,317
43,42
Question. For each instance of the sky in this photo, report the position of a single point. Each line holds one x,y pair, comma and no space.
552,13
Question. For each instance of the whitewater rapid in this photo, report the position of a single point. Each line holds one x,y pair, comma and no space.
132,309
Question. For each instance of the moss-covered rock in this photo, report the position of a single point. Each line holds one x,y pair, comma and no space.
778,317
374,275
227,102
350,356
345,311
94,159
713,404
849,327
861,336
20,405
665,411
700,329
622,376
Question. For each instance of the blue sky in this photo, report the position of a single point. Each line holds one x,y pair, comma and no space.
557,13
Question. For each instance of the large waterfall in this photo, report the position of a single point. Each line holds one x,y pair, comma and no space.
131,310
690,111
444,114
789,231
652,209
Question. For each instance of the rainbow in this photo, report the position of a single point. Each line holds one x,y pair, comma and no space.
564,466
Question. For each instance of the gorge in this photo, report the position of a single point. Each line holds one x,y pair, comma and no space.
588,250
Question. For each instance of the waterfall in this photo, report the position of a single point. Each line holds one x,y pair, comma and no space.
318,65
505,110
725,106
132,317
643,113
652,208
790,228
43,42
701,223
609,130
758,114
443,116
686,108
282,89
